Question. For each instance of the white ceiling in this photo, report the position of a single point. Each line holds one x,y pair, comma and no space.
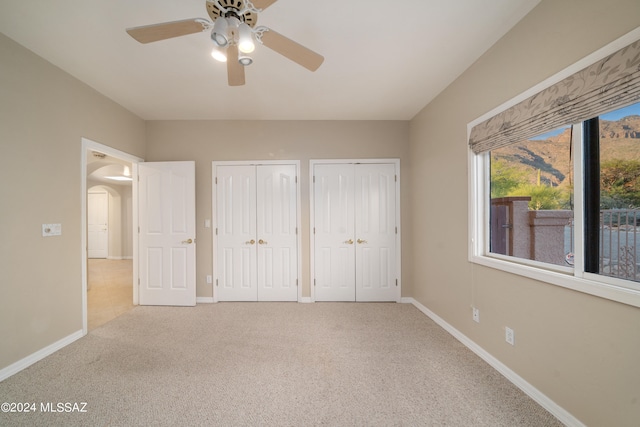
384,60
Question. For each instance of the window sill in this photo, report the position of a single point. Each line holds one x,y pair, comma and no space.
585,285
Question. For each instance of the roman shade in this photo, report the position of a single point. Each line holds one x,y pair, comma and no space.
606,85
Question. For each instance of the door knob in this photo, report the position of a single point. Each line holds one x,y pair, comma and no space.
250,242
349,242
360,241
262,242
188,241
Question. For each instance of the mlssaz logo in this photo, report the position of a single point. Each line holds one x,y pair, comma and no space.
63,407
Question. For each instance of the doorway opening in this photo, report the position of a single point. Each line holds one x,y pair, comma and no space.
109,244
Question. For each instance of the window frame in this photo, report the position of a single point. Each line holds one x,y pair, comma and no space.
479,207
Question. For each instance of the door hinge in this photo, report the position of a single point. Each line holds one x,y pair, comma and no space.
216,231
396,178
314,282
216,283
396,282
216,180
296,179
138,281
314,178
396,230
296,230
296,283
138,230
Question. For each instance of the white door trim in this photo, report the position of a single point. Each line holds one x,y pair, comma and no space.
86,146
214,223
312,164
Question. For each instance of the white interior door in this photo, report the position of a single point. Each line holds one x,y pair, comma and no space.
236,233
276,206
375,223
167,261
334,230
355,232
97,224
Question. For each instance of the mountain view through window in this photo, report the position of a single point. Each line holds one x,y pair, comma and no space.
532,197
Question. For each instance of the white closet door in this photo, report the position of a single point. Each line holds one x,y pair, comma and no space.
375,223
334,232
276,205
236,227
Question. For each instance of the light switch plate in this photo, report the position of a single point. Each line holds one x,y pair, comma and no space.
49,230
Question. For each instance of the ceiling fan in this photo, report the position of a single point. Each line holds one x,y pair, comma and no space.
233,31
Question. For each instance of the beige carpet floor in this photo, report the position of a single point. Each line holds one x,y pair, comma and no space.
270,364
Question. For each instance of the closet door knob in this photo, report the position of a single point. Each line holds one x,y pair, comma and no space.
250,242
360,241
349,242
262,242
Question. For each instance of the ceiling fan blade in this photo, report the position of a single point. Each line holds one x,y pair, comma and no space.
263,4
167,30
292,50
235,70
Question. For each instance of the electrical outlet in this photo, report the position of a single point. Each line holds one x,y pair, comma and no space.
476,315
510,336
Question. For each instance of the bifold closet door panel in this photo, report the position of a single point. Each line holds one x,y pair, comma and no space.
236,228
277,266
334,232
375,232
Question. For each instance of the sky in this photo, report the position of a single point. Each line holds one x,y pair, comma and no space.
623,112
631,110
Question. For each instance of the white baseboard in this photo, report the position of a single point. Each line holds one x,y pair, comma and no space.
118,258
560,413
210,300
38,355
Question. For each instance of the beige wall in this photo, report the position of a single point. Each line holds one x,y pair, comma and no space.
206,141
44,113
579,350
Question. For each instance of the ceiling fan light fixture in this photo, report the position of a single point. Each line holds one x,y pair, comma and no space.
245,39
219,34
219,54
245,59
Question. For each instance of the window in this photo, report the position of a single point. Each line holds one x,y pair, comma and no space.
531,198
555,179
612,194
